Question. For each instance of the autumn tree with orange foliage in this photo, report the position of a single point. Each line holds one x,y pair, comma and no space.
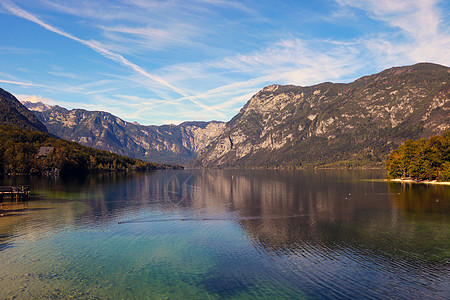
424,159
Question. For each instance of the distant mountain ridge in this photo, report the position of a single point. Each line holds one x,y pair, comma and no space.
36,106
335,124
13,113
23,137
174,144
324,125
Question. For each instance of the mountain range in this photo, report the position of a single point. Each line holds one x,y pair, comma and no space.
27,148
325,125
335,125
174,144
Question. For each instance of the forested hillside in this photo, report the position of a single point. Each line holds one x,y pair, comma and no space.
19,155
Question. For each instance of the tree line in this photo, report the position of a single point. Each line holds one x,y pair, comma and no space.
423,159
19,155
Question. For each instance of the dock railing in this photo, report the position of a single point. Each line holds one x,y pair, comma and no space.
19,192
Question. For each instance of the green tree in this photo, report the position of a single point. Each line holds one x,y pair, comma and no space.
18,154
424,159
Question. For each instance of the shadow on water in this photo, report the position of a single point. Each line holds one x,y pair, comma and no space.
5,241
225,286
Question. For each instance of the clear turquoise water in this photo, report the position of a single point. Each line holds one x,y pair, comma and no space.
226,234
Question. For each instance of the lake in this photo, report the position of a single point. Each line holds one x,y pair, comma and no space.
213,234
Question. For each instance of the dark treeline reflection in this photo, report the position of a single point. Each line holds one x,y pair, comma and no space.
281,211
416,199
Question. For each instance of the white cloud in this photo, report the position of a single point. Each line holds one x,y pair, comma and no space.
419,23
21,83
35,99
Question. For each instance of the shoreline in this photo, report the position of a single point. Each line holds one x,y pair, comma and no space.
419,181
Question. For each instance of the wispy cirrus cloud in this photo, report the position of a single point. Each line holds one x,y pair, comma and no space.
419,23
284,62
216,54
145,38
21,83
19,51
279,61
96,46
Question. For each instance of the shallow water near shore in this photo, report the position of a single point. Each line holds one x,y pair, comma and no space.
217,234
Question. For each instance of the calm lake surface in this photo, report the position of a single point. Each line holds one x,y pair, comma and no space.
226,234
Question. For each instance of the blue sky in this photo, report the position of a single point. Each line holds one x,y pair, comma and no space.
159,62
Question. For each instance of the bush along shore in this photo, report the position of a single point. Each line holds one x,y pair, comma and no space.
424,160
34,152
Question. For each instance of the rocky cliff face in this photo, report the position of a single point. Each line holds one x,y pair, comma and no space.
175,144
36,106
13,113
328,124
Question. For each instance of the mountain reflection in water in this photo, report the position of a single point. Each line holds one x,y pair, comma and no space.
239,233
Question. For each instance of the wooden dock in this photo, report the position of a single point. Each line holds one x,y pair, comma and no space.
20,192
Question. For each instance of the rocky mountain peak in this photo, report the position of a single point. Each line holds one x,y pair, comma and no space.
334,123
270,88
36,106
